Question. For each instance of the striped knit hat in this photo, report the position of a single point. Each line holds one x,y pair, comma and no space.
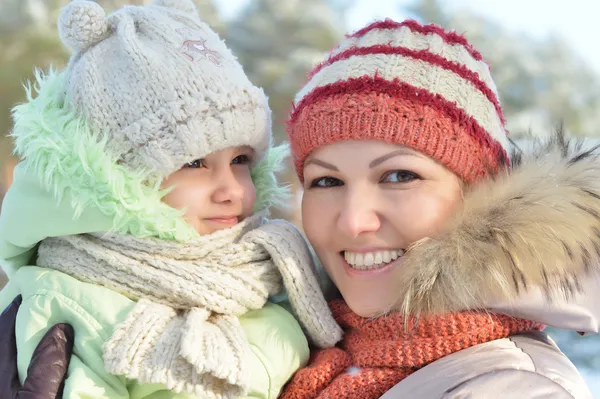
409,84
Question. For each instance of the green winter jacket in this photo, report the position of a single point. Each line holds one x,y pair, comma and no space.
57,193
49,297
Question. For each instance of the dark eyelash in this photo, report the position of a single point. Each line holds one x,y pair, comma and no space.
191,164
413,176
245,159
315,182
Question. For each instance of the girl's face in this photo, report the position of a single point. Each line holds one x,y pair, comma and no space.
364,204
216,192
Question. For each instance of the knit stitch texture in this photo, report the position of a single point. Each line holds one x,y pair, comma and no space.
160,85
407,84
184,331
376,354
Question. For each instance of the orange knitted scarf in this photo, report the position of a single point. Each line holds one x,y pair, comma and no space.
376,354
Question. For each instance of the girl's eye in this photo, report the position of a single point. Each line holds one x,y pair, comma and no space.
197,164
241,160
399,176
325,182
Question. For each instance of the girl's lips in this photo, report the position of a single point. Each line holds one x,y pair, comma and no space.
372,272
228,221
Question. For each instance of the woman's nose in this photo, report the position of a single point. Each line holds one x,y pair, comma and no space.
358,214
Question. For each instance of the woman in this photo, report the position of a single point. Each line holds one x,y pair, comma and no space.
419,215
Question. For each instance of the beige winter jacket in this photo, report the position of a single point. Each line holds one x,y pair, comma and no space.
525,366
526,244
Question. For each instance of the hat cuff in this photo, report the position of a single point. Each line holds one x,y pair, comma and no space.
377,116
163,145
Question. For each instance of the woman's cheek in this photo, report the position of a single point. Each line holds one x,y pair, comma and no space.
423,215
317,218
309,212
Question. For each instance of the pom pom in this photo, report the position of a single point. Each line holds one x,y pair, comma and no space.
82,24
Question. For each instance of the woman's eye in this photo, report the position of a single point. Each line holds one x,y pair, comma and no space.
241,160
197,164
399,176
324,182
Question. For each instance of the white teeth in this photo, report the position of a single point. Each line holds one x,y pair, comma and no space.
350,257
371,260
378,258
387,256
359,260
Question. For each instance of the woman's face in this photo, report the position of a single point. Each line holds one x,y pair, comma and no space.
215,192
364,204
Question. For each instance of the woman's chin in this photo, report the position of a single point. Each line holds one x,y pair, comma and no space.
366,306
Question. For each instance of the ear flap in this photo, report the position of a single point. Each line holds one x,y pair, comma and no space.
187,6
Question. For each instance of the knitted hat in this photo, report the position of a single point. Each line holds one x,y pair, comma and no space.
159,85
409,84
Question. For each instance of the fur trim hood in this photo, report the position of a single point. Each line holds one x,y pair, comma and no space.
530,235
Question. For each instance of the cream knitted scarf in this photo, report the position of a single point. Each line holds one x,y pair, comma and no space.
184,331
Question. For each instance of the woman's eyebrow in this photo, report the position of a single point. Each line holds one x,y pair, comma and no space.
383,158
321,163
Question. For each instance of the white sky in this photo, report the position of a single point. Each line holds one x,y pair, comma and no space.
575,20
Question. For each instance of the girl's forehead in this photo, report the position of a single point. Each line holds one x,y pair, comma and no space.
228,150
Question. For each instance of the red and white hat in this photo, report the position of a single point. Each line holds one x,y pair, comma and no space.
409,84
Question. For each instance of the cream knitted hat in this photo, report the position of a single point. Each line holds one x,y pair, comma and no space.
159,85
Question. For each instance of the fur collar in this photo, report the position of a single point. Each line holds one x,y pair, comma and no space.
536,225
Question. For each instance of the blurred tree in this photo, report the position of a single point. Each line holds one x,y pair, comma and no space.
541,81
28,40
278,42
